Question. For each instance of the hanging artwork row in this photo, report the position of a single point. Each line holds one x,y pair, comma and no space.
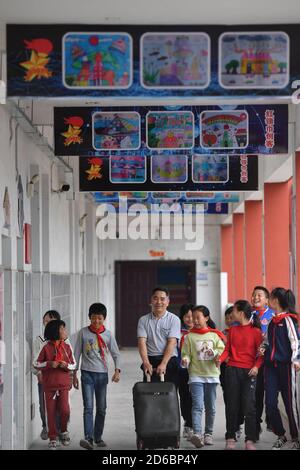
167,196
127,61
166,172
245,129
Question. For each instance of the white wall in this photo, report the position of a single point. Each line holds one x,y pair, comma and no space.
207,264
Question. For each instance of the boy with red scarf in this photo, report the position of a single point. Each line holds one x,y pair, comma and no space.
281,349
93,345
201,349
55,361
260,300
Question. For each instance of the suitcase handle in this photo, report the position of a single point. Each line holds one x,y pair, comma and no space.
148,376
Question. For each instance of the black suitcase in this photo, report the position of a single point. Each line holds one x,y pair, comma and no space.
157,416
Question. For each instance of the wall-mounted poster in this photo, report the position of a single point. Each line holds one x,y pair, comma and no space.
173,173
169,168
127,169
248,129
254,59
224,129
170,130
114,131
210,168
175,60
93,60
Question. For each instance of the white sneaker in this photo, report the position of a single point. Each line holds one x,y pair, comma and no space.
65,438
52,445
197,440
208,440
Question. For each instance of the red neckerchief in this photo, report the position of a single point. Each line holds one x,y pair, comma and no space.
59,350
101,342
280,316
202,331
262,312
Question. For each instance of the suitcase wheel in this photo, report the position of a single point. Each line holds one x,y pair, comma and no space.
177,444
140,444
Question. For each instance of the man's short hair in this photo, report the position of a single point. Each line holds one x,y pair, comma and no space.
162,289
264,289
97,309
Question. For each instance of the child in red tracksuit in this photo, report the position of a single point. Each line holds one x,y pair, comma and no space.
55,361
242,367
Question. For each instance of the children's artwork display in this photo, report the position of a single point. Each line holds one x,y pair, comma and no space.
224,129
93,60
192,174
114,131
170,130
210,168
248,129
254,60
127,169
169,168
152,61
166,195
177,60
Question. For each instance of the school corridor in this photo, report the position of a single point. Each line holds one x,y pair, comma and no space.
119,431
190,112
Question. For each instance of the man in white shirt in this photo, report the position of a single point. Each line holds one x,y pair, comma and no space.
158,335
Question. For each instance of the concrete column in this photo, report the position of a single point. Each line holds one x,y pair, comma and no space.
253,245
276,234
239,256
227,258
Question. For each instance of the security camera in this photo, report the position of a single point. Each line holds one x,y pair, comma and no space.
64,187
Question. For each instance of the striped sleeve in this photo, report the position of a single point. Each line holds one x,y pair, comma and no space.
72,361
294,339
40,362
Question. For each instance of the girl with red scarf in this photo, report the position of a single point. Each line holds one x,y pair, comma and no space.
281,349
201,349
55,361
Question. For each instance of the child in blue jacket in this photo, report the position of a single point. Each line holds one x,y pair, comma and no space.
281,349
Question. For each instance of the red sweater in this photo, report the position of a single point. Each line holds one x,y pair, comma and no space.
242,347
55,379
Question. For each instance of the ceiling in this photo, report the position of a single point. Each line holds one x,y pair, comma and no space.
147,12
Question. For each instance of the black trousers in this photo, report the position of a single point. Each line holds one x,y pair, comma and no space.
172,371
240,395
226,391
260,395
185,397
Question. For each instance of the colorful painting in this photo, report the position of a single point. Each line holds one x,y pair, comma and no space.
212,197
134,194
97,60
210,168
254,60
116,131
166,195
127,169
170,130
169,168
111,196
224,129
175,60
